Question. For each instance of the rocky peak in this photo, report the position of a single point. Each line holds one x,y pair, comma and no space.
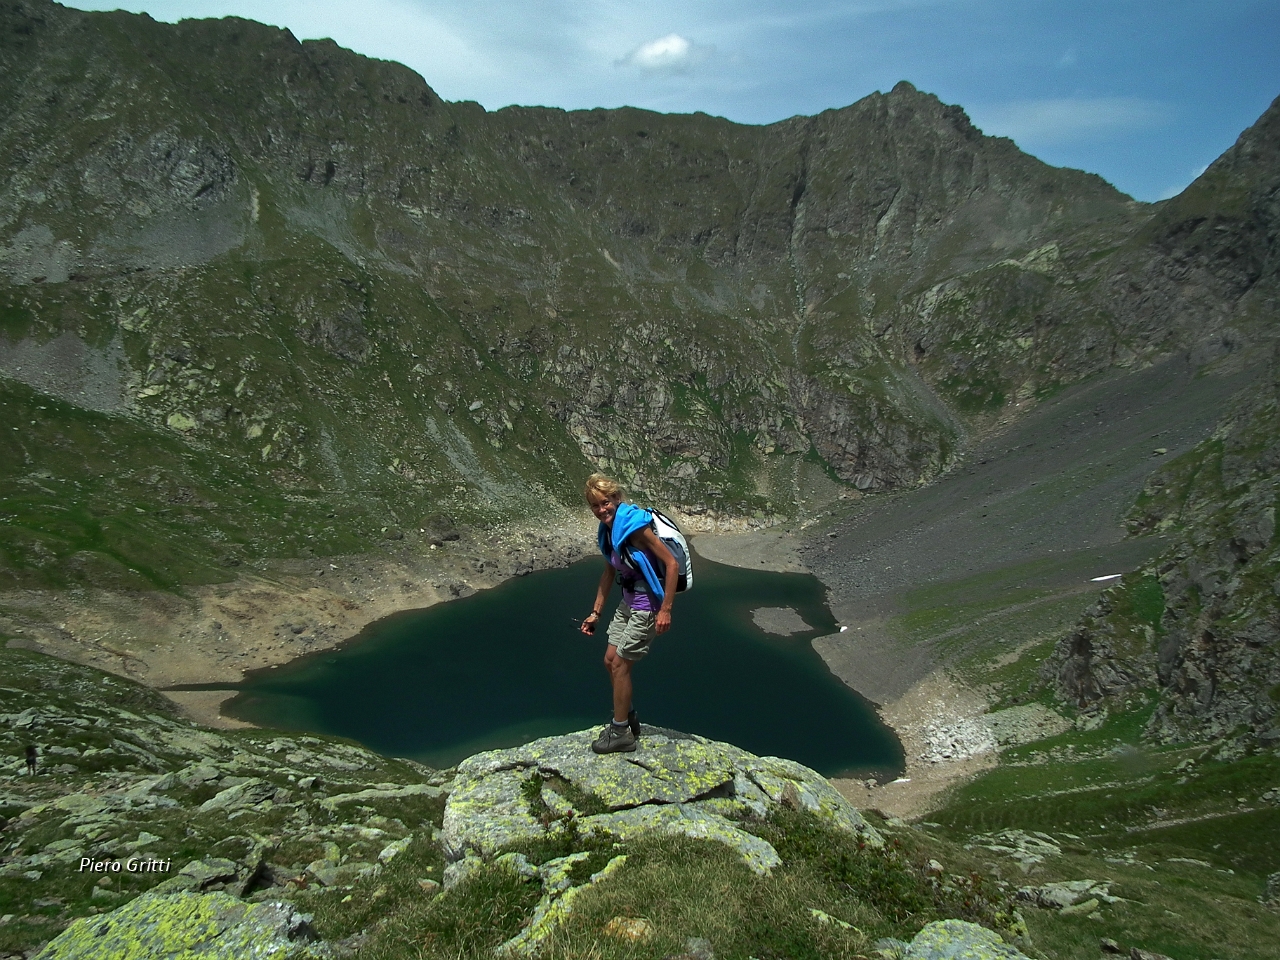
448,302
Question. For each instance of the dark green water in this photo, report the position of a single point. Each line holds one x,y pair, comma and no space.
508,665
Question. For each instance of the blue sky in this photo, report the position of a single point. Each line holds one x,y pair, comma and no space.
1144,92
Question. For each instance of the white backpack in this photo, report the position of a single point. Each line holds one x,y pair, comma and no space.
666,530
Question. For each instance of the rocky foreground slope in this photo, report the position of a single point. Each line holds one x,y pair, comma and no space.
161,836
144,835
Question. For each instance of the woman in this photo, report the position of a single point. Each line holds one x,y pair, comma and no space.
629,545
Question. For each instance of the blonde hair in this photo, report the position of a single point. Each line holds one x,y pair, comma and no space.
603,486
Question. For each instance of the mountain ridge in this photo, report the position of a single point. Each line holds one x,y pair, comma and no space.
339,309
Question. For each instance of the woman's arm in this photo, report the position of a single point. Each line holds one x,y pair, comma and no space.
645,538
602,594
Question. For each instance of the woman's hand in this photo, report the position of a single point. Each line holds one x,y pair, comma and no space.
662,623
589,624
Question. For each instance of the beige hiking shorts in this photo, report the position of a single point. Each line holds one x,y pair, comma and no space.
632,631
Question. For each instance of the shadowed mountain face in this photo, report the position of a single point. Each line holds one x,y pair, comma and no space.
261,297
1201,622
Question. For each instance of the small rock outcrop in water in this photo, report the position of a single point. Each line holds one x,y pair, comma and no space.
674,782
781,621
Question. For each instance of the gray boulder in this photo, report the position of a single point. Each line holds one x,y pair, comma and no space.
213,926
1028,849
958,940
251,793
687,820
1063,894
674,782
201,875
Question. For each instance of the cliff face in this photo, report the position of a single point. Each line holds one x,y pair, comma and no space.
291,270
1201,625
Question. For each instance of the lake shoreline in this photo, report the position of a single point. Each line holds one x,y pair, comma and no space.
280,612
285,610
933,697
302,607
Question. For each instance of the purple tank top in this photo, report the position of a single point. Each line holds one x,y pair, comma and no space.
638,597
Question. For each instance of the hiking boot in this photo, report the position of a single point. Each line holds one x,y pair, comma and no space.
634,723
614,740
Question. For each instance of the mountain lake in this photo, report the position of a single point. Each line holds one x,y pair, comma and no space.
508,665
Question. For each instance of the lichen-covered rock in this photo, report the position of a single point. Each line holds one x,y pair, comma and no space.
558,805
331,874
458,871
811,790
385,791
212,926
554,907
690,821
674,782
555,874
394,849
518,864
958,940
666,769
1062,894
1027,849
252,793
487,812
199,875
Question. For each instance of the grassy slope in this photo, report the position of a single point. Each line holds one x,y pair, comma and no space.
1135,813
1123,807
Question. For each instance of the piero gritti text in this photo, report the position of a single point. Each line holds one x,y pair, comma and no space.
131,865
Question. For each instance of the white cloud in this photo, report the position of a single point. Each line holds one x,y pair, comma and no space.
670,54
1060,121
1067,60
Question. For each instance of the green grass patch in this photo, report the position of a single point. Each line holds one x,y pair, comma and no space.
1107,786
1179,910
1186,838
978,622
